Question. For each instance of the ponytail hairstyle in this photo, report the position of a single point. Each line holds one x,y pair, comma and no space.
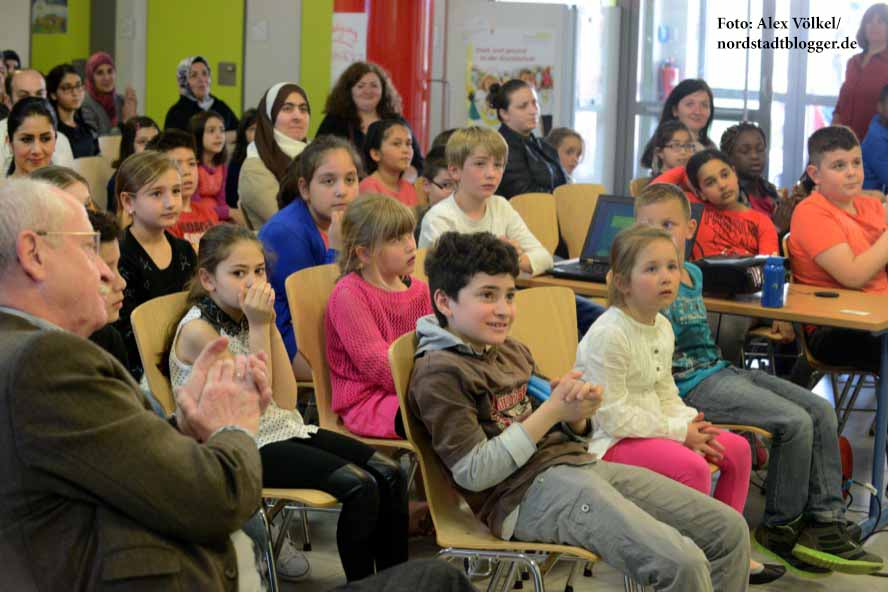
136,172
499,96
128,132
215,246
376,135
699,159
197,125
662,136
371,221
308,161
625,249
22,110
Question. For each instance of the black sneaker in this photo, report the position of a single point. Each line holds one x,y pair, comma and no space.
777,543
855,533
827,544
769,573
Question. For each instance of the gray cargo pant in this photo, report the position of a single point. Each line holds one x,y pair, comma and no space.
662,533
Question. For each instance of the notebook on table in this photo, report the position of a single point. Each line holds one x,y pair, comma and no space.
612,214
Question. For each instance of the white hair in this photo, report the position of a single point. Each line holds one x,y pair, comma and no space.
26,204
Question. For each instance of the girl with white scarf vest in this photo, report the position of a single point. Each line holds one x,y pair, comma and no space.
281,127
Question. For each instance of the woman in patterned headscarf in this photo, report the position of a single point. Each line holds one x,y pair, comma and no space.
103,107
194,78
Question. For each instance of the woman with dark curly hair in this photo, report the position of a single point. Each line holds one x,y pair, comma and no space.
363,94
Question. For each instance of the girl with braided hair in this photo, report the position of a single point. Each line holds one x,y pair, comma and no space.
746,145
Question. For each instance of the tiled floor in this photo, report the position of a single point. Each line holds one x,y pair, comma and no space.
327,571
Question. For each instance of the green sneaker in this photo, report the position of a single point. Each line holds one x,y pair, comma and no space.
777,543
827,545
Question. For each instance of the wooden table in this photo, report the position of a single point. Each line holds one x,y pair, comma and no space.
850,310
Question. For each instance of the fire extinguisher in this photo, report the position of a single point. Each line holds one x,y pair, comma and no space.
668,78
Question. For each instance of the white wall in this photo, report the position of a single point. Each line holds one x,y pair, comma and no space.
271,47
15,28
129,46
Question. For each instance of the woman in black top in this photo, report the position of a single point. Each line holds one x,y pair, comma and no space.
64,87
194,78
363,94
533,165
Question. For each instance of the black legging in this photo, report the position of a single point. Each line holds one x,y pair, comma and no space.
371,487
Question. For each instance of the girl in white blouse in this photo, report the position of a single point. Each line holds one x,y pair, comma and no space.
628,350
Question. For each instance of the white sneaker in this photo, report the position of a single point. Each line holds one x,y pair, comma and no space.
291,564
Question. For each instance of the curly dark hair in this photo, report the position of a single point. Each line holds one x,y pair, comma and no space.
456,258
340,102
730,135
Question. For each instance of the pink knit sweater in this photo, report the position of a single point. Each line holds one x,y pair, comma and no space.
362,321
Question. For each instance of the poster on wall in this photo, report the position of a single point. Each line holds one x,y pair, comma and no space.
349,42
498,55
49,16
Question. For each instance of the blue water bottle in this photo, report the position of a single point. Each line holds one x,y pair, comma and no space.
772,286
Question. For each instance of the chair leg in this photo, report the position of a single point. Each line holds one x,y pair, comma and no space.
285,524
574,570
495,576
306,541
843,417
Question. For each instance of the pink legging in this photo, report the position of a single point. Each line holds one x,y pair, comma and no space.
678,462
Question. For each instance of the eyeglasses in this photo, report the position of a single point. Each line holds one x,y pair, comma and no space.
445,186
677,146
69,88
93,247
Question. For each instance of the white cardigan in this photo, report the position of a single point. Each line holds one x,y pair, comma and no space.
633,362
500,219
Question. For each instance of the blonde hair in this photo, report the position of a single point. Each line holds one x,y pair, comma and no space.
136,172
660,192
369,222
467,139
627,245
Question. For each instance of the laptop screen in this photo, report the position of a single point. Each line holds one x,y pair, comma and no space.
612,214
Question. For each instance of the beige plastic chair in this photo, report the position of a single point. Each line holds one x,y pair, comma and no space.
308,291
637,184
419,265
539,213
151,323
96,170
458,532
109,147
547,324
575,204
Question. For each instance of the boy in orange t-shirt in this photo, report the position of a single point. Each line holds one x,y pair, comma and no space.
838,240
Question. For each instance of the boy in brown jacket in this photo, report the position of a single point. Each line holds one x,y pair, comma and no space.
523,466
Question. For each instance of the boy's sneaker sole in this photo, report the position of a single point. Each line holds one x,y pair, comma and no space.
835,562
794,565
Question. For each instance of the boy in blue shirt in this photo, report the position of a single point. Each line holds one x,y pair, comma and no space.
804,522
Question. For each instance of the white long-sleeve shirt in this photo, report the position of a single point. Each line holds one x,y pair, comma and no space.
633,362
499,219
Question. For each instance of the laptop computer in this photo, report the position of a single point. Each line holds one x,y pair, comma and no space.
612,214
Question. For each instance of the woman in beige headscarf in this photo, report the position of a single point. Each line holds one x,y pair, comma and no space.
281,128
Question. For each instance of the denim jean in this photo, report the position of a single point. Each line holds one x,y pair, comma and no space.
805,448
587,313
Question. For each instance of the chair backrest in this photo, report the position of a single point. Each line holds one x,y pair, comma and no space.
575,204
785,246
451,514
538,212
308,291
96,170
422,197
637,184
419,265
109,147
546,322
151,323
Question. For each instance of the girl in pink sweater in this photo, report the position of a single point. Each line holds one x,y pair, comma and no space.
374,302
